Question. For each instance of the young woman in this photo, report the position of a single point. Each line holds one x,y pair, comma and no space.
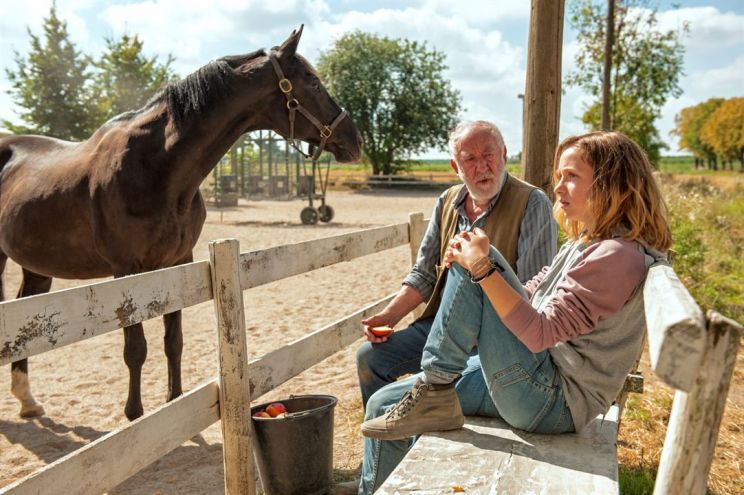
553,354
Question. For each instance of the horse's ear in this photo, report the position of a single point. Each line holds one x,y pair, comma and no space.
289,47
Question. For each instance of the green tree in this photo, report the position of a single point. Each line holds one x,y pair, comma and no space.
51,85
724,131
396,93
126,79
689,123
646,67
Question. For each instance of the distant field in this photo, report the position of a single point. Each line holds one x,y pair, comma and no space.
681,165
415,166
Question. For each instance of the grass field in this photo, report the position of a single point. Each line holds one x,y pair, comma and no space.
677,165
707,220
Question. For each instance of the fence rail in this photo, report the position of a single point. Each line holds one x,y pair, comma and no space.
45,322
41,323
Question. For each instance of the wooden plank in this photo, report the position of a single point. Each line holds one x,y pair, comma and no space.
696,415
676,328
112,456
488,456
111,459
235,396
37,324
278,366
261,267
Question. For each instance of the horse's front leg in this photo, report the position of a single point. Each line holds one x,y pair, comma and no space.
173,341
135,352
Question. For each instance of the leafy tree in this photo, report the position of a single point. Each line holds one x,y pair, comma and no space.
689,123
51,85
396,93
646,67
126,79
724,130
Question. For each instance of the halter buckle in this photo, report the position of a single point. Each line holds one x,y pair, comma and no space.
325,132
285,85
293,104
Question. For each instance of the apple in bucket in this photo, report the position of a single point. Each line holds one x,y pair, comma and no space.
275,409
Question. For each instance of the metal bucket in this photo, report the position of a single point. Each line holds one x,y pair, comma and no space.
294,454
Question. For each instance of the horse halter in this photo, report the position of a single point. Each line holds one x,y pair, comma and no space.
285,86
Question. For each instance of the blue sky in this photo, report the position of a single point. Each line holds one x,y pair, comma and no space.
485,42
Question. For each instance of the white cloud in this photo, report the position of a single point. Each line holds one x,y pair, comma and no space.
195,29
709,27
480,11
723,81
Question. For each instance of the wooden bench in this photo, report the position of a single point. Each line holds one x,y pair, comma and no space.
693,354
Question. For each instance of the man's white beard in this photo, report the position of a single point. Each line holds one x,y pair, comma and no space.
478,195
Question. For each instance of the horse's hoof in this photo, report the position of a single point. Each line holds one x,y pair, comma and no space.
133,413
32,411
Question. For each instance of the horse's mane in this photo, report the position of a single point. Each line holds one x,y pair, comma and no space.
200,89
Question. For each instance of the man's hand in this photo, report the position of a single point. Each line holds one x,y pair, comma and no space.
403,303
378,320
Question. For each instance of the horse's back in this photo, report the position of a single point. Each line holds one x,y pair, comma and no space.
45,220
16,151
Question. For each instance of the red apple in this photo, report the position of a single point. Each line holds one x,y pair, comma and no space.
261,414
275,409
381,331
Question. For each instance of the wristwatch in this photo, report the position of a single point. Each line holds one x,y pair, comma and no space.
491,266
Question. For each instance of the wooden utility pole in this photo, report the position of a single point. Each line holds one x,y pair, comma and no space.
542,96
609,42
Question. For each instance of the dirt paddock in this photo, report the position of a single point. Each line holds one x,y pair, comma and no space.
84,386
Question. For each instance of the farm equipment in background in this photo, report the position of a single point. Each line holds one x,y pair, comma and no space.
309,214
258,166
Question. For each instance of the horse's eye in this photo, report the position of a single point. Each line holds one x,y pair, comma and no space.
315,83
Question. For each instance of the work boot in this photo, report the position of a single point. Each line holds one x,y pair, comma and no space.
425,408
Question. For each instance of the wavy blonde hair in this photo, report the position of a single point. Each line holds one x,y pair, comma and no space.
624,192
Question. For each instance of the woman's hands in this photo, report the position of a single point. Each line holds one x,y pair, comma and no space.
466,248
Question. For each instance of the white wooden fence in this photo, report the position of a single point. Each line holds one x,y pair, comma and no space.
696,360
45,322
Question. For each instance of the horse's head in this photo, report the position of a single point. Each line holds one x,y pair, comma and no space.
301,97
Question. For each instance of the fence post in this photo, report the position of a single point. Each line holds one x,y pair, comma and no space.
235,391
416,230
696,415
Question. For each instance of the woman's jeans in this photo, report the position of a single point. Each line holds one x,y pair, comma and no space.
504,380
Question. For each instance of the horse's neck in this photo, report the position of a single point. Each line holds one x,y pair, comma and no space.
193,149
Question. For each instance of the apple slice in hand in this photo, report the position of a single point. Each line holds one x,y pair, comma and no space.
381,331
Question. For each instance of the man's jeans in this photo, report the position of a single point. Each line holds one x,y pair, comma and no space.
381,364
504,380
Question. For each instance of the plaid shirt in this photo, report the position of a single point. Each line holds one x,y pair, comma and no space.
538,239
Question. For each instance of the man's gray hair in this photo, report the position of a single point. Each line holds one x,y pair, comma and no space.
465,127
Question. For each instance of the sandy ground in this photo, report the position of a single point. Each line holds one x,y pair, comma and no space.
83,386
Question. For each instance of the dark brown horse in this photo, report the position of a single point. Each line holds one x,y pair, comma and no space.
127,200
